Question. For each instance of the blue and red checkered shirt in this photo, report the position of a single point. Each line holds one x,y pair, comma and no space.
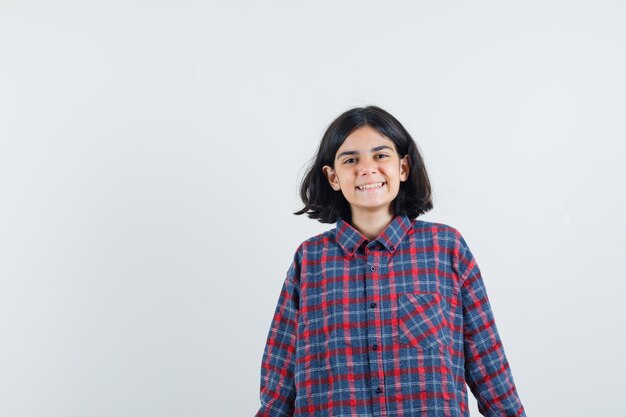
391,327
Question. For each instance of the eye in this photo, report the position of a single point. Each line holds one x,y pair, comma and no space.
348,160
383,155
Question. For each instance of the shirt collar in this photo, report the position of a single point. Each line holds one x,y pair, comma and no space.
350,239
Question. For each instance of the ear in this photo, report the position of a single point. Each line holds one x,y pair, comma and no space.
405,168
329,172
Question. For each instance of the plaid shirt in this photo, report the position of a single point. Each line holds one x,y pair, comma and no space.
391,327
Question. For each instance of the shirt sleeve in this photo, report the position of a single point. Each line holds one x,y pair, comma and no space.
278,389
487,370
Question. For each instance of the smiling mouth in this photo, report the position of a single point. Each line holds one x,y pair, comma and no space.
373,186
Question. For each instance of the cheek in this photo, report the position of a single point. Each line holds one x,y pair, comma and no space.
394,183
346,180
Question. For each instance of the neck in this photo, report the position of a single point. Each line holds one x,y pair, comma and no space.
371,224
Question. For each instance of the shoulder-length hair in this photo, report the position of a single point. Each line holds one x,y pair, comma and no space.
327,205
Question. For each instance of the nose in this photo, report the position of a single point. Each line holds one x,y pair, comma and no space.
367,165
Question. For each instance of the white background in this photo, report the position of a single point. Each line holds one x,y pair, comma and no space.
150,157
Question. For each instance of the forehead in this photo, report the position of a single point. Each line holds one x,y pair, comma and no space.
363,140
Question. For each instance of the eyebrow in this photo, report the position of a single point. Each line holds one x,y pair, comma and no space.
377,148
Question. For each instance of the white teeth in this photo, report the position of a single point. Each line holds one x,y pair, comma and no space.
375,185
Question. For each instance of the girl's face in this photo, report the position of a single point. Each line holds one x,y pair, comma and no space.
367,157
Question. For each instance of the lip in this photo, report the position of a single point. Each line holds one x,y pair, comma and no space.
368,183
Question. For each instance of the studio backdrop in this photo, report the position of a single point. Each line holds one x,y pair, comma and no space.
150,159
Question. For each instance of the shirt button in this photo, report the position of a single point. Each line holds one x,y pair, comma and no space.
391,247
373,305
375,347
379,390
372,268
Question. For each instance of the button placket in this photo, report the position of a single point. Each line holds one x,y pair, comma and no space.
376,356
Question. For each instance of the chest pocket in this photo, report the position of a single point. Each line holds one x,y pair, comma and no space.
421,320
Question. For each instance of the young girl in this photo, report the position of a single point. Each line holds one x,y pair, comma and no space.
383,315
